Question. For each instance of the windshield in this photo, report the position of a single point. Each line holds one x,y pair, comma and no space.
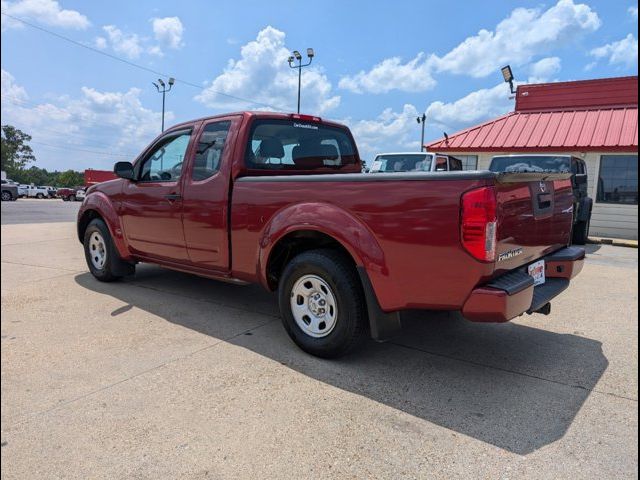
416,162
299,145
537,163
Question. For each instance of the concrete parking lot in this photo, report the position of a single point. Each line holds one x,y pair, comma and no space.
166,375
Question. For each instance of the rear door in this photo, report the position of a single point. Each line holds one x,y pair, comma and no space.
205,203
535,216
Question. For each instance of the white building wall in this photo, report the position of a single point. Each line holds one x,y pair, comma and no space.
607,220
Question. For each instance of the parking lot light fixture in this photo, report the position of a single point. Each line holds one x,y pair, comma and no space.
507,74
163,89
297,56
422,120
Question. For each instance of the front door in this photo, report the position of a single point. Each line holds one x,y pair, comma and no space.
206,195
151,208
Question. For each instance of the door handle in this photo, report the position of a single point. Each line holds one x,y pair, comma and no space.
172,197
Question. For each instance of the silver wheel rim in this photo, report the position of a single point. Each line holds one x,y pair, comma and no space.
6,196
97,250
314,306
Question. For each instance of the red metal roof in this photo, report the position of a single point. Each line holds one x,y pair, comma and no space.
598,93
600,115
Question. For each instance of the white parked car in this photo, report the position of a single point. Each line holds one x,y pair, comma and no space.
414,162
23,190
37,192
80,194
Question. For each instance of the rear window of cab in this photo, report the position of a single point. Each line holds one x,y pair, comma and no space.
299,145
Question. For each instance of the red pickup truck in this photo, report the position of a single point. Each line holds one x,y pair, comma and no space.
279,199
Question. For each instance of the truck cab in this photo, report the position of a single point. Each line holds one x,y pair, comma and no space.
414,162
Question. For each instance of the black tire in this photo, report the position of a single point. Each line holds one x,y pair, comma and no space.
39,196
337,271
114,267
581,232
6,196
72,198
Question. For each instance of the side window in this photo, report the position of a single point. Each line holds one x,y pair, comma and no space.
441,164
210,149
455,164
164,162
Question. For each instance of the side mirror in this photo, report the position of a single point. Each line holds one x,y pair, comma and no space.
124,170
580,179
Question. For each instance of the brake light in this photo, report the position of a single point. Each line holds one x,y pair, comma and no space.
306,118
478,226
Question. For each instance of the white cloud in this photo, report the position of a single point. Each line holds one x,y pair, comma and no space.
127,44
543,70
475,107
520,37
112,122
517,40
390,131
392,74
623,52
101,43
262,74
168,31
47,12
10,90
633,11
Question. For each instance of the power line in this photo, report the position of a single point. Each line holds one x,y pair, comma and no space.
19,102
141,67
66,147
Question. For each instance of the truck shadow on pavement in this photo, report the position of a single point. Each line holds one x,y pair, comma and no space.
512,386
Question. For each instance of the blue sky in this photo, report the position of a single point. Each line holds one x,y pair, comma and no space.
377,65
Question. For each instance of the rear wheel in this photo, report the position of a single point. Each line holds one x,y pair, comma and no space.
581,232
102,257
322,303
6,196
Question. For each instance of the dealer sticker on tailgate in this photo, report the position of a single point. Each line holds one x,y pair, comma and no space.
536,270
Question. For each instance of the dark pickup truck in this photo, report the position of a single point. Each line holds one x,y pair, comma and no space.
279,200
582,203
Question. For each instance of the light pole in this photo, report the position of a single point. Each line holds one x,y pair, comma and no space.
296,56
163,89
422,120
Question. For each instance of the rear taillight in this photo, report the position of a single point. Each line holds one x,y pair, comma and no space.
478,226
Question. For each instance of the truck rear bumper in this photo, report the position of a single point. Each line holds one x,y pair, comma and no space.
513,293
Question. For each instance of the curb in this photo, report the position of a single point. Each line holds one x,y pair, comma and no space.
616,242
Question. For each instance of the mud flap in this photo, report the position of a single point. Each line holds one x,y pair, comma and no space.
383,326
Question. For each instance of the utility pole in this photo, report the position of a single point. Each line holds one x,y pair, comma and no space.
422,120
163,89
296,56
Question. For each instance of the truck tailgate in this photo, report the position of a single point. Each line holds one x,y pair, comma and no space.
535,217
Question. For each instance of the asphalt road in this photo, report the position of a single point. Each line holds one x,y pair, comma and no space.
167,375
32,210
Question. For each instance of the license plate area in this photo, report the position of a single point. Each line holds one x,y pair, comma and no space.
536,271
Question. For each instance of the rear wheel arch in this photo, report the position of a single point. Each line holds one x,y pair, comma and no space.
299,241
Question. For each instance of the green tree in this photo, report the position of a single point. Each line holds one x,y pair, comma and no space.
15,151
69,178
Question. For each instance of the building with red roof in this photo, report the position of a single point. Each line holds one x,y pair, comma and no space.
596,120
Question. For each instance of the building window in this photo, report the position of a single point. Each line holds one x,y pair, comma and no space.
618,179
469,162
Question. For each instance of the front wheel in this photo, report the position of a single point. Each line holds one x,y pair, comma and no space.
322,303
72,198
6,196
102,257
40,196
